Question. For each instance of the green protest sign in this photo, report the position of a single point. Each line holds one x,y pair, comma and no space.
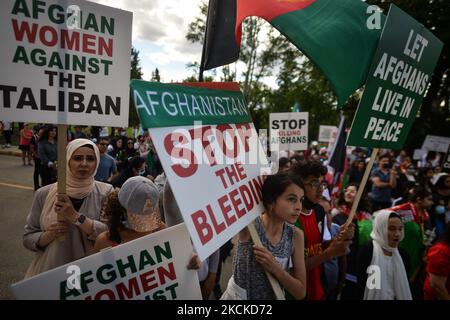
169,105
401,70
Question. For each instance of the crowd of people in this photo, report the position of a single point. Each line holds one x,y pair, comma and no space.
397,245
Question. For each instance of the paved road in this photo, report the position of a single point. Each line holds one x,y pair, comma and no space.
16,194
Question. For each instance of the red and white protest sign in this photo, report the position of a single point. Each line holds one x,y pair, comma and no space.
214,173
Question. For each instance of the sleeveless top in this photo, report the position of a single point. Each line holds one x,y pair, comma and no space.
250,275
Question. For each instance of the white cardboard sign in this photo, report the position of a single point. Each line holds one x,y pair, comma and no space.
215,174
149,268
64,63
288,131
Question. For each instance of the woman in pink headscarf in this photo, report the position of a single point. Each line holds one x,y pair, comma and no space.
81,207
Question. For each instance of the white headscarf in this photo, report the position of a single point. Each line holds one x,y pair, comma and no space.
380,241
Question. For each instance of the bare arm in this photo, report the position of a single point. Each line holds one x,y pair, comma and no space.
438,284
337,248
296,283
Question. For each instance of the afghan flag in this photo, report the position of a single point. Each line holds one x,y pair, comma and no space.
333,34
338,160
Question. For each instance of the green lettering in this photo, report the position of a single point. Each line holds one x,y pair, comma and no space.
20,55
160,251
110,275
20,6
145,259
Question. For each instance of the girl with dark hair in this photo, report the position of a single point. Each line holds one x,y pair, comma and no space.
363,227
383,261
282,253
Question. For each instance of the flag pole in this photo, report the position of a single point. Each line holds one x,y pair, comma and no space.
362,186
202,60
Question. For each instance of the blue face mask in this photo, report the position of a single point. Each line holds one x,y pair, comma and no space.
440,209
142,172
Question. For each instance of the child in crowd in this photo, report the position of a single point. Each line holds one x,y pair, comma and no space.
283,252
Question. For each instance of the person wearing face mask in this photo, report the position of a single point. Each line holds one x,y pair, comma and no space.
419,235
80,206
381,264
440,212
135,167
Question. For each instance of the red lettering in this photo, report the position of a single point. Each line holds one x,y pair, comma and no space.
24,29
254,193
180,153
219,173
88,41
225,209
203,133
53,36
217,227
240,171
201,225
105,292
70,41
245,133
232,174
229,152
102,46
146,279
247,197
163,273
128,292
236,202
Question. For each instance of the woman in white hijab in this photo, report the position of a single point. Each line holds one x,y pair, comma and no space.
59,242
381,265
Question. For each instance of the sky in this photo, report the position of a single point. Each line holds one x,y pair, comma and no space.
159,34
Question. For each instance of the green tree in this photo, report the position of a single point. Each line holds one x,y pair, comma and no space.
156,77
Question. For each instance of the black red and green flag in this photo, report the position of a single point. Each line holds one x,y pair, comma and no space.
331,33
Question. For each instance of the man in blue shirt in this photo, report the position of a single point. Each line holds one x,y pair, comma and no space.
107,167
384,179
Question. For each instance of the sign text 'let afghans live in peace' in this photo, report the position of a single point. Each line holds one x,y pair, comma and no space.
65,63
398,79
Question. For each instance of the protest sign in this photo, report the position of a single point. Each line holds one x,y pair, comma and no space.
402,67
64,64
419,154
149,268
401,70
446,162
326,133
436,143
211,156
288,131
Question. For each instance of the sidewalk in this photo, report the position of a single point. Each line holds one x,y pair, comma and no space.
13,151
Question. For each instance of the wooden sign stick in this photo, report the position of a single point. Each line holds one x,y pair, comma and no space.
362,186
62,141
273,282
